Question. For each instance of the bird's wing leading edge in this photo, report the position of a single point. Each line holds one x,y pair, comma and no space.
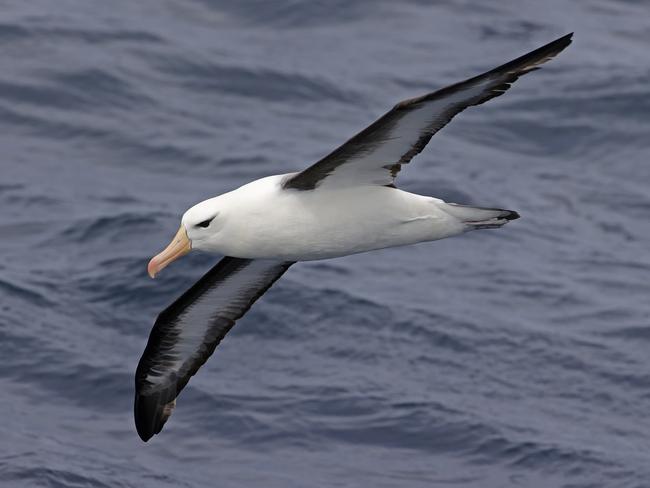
186,333
375,155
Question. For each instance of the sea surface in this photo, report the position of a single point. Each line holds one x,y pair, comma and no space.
517,357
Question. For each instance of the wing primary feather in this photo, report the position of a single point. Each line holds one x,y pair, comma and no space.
374,156
187,332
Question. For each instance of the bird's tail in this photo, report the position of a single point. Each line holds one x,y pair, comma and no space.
481,217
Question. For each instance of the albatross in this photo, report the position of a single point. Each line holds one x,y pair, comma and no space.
345,203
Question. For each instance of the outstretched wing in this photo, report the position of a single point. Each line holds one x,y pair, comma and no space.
375,155
186,333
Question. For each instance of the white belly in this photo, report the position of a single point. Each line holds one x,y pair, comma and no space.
263,221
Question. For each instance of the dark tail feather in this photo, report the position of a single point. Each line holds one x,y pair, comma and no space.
481,217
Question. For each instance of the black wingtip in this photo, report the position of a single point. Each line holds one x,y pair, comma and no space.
565,40
151,411
559,44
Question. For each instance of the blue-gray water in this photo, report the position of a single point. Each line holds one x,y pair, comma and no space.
516,357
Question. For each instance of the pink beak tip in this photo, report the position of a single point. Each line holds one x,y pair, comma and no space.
151,268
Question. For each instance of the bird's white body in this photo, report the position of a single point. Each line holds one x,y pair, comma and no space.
263,221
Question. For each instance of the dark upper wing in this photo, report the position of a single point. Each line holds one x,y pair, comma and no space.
375,155
186,333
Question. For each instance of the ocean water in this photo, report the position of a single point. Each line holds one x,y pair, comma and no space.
509,358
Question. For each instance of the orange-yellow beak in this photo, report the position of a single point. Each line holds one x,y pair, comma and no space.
179,246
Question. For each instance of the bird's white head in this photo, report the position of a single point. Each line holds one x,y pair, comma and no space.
199,228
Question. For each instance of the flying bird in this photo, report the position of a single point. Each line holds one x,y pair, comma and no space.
345,203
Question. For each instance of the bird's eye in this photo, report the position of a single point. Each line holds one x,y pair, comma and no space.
205,223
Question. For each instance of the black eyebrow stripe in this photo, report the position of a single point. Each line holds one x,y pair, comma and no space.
206,222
